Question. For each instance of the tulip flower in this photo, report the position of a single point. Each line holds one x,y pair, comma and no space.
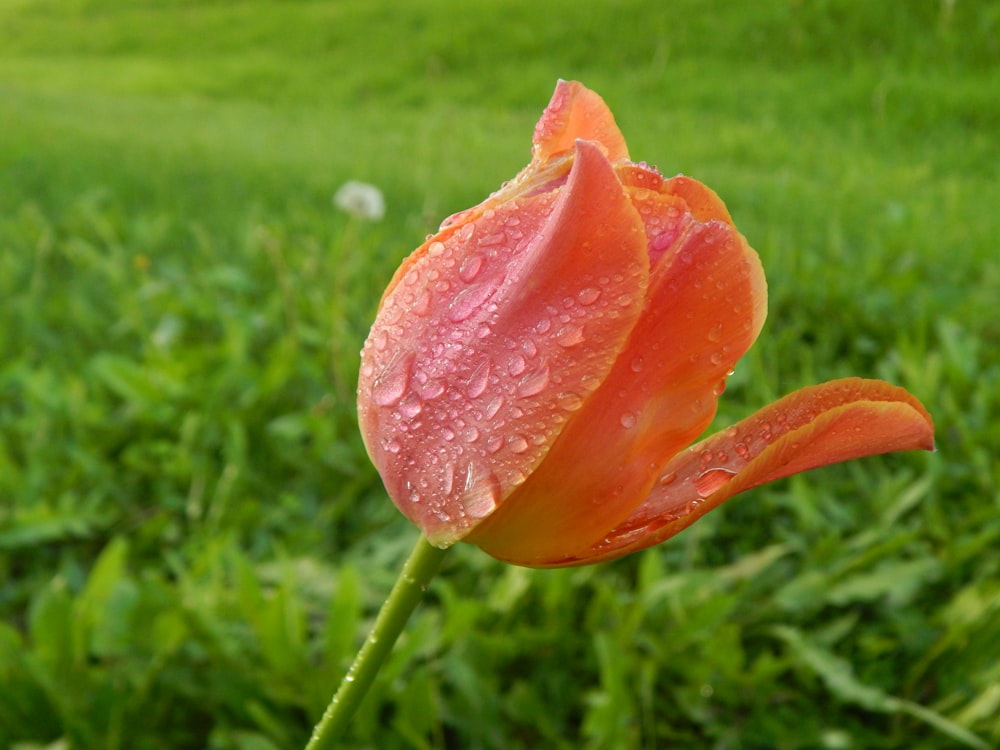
539,367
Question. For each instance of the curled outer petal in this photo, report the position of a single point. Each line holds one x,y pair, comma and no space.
812,427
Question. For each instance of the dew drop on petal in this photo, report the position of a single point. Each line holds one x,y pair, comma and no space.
588,295
715,334
493,407
570,401
668,479
709,482
469,300
516,365
481,492
410,406
470,268
393,381
478,381
570,335
533,383
628,420
422,306
517,444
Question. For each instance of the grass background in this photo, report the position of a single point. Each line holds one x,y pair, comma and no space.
192,541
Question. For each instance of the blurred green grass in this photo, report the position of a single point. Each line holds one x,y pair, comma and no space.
191,538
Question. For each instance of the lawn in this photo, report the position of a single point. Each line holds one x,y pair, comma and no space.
192,539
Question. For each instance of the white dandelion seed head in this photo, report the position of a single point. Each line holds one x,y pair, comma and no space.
360,199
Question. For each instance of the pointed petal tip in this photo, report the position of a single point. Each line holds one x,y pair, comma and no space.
576,112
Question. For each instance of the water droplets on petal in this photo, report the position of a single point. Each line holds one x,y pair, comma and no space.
534,382
569,335
392,382
469,300
710,481
470,268
517,444
478,381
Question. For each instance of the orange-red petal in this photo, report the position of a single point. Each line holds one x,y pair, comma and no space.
577,113
703,310
815,426
465,374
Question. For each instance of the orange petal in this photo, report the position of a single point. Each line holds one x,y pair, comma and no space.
704,308
702,202
816,426
577,113
466,375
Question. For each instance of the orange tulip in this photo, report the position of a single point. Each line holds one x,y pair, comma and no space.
539,366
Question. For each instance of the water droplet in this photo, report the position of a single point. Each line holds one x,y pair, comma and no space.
410,406
470,268
493,444
471,435
381,340
533,383
742,450
478,381
430,389
668,479
423,304
709,482
516,365
517,444
393,381
588,295
529,348
570,401
448,434
636,364
569,336
493,407
393,446
715,334
469,300
543,325
435,249
628,420
720,387
481,492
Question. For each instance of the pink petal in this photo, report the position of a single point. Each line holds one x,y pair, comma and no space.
704,308
467,375
816,426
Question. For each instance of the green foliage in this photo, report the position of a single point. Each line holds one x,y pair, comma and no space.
192,540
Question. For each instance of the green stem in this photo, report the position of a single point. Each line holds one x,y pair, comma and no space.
420,567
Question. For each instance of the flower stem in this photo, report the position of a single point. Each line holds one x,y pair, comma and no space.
420,567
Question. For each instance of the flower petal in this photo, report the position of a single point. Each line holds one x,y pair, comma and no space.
466,373
704,308
815,426
577,113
